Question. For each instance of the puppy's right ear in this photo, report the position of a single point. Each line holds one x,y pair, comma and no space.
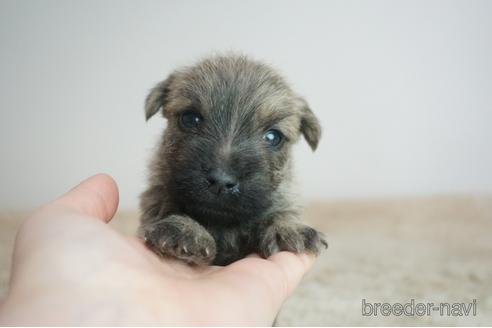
157,97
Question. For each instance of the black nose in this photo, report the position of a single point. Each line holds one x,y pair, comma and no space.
221,182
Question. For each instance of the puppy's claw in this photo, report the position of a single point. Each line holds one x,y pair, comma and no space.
293,237
181,238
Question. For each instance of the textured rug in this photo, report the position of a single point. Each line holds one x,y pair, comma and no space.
429,250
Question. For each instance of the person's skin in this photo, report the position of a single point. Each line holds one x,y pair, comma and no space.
71,268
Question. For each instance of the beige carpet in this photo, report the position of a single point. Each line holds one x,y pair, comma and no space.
434,249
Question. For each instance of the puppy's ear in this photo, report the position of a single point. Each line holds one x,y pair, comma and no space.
310,127
157,97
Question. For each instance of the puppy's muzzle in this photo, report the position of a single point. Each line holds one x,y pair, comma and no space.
220,182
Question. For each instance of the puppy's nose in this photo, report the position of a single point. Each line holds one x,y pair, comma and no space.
221,182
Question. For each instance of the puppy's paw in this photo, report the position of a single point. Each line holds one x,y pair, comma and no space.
293,237
182,238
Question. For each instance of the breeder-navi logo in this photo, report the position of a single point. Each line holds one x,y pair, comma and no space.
419,309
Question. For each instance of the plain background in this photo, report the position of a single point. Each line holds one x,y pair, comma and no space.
403,89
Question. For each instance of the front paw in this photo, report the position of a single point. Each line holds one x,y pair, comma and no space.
182,238
293,237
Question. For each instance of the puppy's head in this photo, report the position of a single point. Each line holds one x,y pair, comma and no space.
231,124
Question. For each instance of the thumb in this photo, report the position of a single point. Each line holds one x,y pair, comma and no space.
96,196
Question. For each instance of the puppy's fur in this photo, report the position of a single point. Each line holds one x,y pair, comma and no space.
246,206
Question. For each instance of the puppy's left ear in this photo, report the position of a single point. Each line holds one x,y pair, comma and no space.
157,97
310,127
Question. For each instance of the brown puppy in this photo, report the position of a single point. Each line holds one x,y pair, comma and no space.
220,182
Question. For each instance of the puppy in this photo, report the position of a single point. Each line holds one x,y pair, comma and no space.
220,182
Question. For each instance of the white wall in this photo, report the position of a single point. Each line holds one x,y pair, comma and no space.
403,89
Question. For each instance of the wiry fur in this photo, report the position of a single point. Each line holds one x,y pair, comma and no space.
239,100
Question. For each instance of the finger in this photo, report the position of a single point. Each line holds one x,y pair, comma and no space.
96,196
293,267
280,273
264,284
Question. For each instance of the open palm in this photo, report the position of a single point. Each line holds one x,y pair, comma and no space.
71,268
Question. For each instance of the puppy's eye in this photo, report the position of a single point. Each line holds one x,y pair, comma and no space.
190,119
273,137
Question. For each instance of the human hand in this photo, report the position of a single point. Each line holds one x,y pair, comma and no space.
71,268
